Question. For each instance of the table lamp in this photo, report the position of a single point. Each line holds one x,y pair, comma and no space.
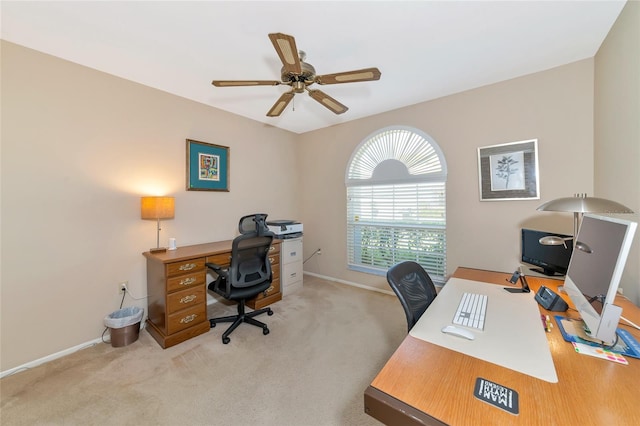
579,204
157,208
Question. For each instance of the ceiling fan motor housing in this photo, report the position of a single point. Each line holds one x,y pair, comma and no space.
307,77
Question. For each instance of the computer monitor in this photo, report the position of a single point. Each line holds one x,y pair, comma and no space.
552,260
594,273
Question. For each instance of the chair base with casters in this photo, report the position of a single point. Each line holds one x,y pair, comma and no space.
241,317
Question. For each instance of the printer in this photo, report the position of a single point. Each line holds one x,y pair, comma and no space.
285,229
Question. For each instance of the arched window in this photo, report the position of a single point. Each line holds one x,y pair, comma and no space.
396,202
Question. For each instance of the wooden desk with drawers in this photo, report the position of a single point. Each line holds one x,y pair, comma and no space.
177,289
426,384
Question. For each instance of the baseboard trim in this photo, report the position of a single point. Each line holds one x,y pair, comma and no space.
351,283
48,358
210,301
32,364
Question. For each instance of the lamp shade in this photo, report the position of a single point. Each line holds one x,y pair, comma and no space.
581,204
155,208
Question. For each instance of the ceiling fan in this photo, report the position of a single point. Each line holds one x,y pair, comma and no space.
300,75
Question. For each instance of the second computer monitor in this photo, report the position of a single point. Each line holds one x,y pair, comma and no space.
551,260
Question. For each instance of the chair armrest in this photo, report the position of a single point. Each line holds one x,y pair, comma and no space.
217,268
223,275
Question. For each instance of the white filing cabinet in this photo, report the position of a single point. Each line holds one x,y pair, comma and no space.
291,265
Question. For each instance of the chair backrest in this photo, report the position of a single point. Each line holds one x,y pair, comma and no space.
256,222
414,288
250,260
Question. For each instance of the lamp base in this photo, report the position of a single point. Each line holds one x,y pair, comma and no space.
158,250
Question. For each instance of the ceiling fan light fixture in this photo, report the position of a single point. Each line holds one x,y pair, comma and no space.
298,86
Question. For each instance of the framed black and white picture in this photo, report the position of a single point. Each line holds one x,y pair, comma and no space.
509,171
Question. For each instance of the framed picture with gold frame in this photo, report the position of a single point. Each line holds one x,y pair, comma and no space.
509,171
207,166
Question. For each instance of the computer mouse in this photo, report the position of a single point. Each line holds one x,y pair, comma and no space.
457,331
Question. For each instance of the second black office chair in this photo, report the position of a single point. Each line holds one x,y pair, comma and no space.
248,274
414,288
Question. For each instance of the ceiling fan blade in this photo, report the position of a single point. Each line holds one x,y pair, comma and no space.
328,101
231,83
366,74
285,45
280,104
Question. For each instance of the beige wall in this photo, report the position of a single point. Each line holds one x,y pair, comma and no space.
555,106
617,127
79,148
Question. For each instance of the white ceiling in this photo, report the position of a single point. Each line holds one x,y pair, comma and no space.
424,49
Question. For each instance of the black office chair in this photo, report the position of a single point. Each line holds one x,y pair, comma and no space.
248,274
414,288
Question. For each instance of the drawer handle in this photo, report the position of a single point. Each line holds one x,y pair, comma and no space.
188,281
187,266
267,291
272,260
188,299
272,248
188,318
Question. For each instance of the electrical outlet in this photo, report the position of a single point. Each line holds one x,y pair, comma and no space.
122,287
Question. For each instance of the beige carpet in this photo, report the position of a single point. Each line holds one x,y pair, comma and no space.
327,343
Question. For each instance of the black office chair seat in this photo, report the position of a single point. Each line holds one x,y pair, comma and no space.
248,274
237,293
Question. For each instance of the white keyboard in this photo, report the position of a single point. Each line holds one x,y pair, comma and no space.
471,311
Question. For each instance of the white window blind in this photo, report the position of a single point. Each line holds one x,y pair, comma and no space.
397,213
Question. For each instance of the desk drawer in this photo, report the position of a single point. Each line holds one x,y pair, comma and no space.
291,251
273,294
187,318
275,271
273,288
275,248
187,266
224,259
186,298
186,281
220,259
291,274
274,259
264,298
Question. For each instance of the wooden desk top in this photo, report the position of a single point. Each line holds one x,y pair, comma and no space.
194,251
190,252
423,383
